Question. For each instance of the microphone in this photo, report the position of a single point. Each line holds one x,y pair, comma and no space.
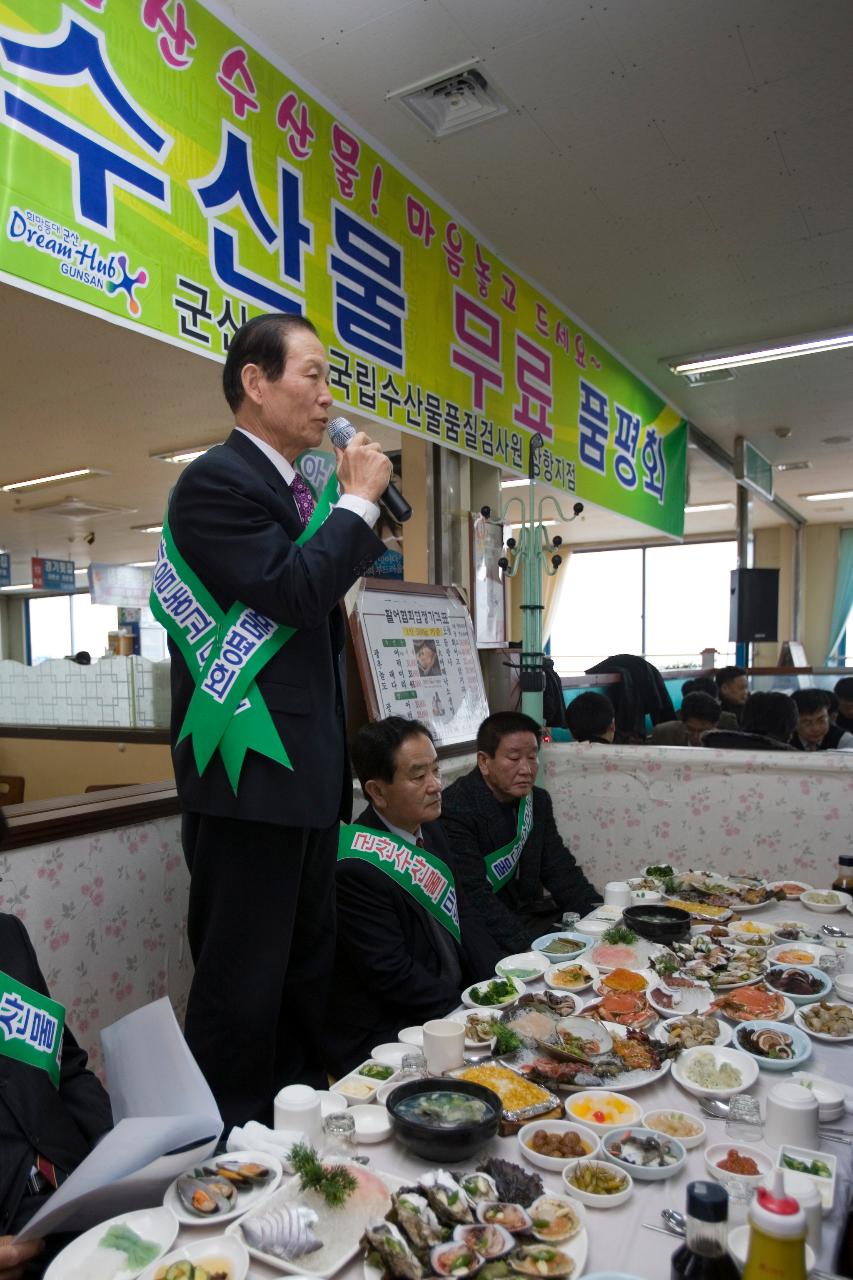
341,432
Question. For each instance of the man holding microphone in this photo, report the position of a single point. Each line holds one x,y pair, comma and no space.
248,584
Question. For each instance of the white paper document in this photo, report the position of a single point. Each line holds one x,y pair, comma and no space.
165,1116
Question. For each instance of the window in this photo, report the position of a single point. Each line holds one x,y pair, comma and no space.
62,625
667,603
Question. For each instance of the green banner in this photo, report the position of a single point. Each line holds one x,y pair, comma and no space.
163,173
31,1027
423,875
501,865
223,653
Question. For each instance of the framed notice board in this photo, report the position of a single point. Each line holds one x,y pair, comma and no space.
416,656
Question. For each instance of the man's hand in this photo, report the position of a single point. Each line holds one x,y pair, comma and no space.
363,470
13,1257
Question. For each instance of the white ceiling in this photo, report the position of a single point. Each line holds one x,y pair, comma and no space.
679,173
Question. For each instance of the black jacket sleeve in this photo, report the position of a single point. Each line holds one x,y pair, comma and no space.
560,873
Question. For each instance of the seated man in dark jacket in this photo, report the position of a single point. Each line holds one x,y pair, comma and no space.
408,941
505,840
814,730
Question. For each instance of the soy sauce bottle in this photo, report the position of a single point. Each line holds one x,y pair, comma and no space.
704,1256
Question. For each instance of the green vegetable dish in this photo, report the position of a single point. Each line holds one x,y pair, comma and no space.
376,1071
618,934
817,1168
498,991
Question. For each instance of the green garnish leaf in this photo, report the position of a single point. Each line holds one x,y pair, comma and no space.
506,1040
619,933
334,1183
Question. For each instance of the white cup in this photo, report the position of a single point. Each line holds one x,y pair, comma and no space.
444,1045
791,1117
297,1106
617,894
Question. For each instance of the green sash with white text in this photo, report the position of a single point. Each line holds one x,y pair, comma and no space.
31,1027
417,871
224,653
501,865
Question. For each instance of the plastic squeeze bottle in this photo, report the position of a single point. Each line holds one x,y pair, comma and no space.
777,1235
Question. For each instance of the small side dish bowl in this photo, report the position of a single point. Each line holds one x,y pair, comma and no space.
801,1045
598,1169
477,995
825,901
743,1064
602,1110
622,1138
720,1151
555,1164
683,1125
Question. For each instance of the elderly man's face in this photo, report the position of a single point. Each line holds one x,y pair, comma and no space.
414,794
736,690
294,409
814,726
511,771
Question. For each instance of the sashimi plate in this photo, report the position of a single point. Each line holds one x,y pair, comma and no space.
339,1230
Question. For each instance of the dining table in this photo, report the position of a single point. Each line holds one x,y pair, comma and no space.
619,1239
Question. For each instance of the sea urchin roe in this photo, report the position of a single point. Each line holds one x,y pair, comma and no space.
624,980
514,1092
736,1163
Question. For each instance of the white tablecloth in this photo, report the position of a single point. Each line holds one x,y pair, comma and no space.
617,1240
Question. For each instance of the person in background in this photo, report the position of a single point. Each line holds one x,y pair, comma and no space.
398,959
814,732
590,718
700,684
514,867
832,705
844,694
698,714
768,721
46,1130
733,691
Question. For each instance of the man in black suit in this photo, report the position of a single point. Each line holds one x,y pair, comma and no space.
45,1130
244,560
400,958
505,840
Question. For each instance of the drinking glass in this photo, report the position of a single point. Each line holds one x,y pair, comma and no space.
569,920
413,1066
743,1123
339,1136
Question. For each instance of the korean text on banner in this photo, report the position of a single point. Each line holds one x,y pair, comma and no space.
162,172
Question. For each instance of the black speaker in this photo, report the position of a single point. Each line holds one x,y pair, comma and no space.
754,612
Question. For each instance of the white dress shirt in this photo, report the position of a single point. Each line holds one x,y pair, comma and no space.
363,507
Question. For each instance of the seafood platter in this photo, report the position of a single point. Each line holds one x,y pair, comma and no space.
802,984
709,889
223,1189
707,959
494,1222
832,1023
693,1030
744,1004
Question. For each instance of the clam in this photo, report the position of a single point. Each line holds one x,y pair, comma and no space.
199,1196
514,1217
555,1218
541,1260
455,1259
487,1238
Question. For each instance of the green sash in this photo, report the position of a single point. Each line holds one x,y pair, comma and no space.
224,653
417,871
501,865
31,1027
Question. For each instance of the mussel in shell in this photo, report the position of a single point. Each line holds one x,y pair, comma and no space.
200,1196
242,1174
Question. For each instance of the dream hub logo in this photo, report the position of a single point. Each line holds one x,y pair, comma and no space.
128,283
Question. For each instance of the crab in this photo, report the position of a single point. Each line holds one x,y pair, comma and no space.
627,1008
745,1003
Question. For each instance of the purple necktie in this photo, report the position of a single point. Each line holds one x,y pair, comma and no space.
303,498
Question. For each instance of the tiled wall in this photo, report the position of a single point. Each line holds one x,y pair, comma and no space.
117,692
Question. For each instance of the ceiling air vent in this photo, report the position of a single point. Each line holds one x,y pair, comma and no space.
75,509
456,100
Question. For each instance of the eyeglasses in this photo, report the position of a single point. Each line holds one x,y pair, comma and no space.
815,721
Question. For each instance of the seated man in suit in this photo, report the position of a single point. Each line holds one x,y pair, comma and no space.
767,723
732,691
52,1108
505,840
408,942
814,730
698,714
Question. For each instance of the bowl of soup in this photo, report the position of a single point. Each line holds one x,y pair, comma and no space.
441,1119
658,923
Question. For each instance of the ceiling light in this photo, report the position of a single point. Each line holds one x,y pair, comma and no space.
513,484
708,506
827,497
60,475
545,524
805,465
188,454
142,564
733,357
21,586
146,528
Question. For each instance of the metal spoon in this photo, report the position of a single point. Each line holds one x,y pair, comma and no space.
832,931
675,1221
714,1107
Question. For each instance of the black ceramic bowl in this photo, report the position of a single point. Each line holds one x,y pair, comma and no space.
658,923
444,1145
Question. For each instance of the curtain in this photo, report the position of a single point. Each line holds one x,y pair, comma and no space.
843,592
553,590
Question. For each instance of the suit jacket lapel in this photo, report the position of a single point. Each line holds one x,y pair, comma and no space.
260,463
